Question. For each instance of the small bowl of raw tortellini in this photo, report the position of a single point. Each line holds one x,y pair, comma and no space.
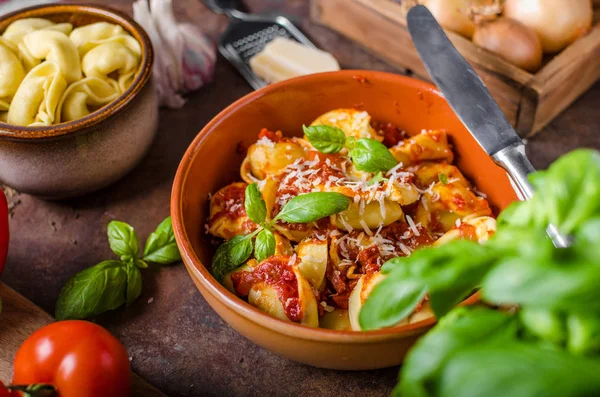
77,106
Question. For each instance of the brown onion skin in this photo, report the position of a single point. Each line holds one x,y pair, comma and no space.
512,41
557,22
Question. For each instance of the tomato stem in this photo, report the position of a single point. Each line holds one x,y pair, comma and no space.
35,390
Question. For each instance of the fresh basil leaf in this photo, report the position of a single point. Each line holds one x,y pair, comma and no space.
500,369
241,250
450,272
567,282
256,208
371,156
311,207
569,190
265,245
544,324
443,178
123,240
161,246
134,283
584,334
140,263
92,291
350,142
324,138
376,179
231,255
391,301
461,328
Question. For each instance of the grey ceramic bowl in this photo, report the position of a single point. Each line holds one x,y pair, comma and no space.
87,154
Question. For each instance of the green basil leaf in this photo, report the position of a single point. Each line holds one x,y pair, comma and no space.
450,272
92,291
391,301
584,334
230,255
140,263
376,179
241,250
461,328
567,282
545,324
371,156
161,246
123,240
256,208
311,207
324,138
265,245
569,190
500,369
134,283
443,178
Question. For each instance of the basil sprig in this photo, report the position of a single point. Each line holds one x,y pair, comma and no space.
303,208
111,284
367,154
549,344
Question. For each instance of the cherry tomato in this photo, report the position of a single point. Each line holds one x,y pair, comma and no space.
3,230
4,392
79,358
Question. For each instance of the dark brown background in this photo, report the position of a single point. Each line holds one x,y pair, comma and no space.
175,340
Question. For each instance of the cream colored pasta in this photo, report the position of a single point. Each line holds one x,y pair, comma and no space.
18,29
85,68
313,256
372,215
90,36
354,123
11,72
51,46
37,98
108,58
83,94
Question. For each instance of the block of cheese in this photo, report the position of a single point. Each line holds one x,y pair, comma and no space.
283,59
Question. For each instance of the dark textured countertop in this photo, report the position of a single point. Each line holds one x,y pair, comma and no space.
174,338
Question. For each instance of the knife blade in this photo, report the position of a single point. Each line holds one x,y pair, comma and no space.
472,102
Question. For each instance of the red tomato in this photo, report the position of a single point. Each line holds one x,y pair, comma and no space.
81,359
4,392
3,230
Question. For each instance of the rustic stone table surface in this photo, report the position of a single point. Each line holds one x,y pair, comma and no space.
174,338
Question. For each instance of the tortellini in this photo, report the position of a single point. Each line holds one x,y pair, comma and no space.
54,47
83,94
37,98
51,73
354,123
18,29
11,72
320,273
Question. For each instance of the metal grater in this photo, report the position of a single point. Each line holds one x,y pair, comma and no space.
247,34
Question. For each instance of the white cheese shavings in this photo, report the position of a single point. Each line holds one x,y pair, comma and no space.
412,225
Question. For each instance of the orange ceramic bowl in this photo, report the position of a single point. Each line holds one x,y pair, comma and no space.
213,161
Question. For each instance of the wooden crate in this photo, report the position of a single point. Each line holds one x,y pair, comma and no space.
530,101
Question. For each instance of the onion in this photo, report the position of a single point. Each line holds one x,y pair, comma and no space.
454,14
556,22
512,41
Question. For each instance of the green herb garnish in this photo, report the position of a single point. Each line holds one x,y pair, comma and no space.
111,284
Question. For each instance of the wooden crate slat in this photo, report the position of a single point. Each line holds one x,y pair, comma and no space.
529,101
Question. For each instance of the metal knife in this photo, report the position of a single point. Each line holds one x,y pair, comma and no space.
472,103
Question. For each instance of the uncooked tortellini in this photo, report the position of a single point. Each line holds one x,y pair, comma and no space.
51,73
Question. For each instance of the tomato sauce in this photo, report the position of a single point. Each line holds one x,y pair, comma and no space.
467,232
392,135
231,200
277,272
369,260
401,232
270,135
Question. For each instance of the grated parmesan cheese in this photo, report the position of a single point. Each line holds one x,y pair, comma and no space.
412,225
